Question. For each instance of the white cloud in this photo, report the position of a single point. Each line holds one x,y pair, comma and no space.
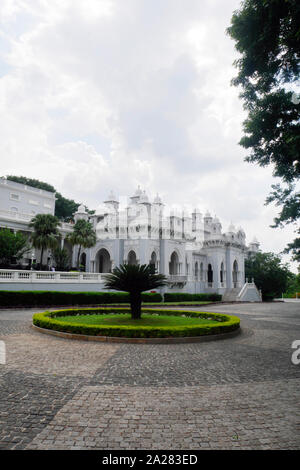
107,94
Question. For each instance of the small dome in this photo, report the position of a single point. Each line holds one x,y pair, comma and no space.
81,209
112,197
231,228
144,198
207,215
255,241
216,220
157,200
138,192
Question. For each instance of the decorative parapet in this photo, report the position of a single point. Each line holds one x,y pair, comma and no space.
176,281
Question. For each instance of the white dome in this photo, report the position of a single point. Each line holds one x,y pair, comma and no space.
207,215
144,197
157,200
138,192
231,228
81,209
112,197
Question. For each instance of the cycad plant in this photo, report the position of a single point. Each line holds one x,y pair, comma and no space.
83,235
134,279
45,232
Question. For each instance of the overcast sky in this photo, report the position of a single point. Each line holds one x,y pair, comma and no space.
101,95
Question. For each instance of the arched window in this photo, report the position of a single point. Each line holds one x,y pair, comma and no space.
235,274
201,271
104,261
131,259
153,261
222,273
196,270
174,263
210,274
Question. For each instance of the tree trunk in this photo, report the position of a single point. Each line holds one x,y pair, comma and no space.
41,262
136,305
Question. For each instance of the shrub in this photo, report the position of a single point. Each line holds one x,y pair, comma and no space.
48,298
50,321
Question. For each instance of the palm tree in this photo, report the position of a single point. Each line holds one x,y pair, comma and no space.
83,235
45,232
134,279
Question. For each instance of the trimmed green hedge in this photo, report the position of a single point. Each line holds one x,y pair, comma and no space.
48,298
50,321
181,297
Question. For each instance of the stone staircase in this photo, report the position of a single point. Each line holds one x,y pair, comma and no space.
231,295
247,293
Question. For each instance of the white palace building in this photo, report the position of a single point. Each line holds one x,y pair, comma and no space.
191,249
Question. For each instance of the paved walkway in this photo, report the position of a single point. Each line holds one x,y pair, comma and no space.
240,393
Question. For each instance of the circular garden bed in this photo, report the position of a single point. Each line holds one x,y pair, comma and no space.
115,324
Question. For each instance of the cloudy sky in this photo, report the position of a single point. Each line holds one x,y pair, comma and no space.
110,94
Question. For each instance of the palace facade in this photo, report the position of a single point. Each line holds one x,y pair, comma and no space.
191,249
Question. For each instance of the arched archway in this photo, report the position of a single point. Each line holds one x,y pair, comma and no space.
210,275
201,271
131,258
235,271
174,264
104,261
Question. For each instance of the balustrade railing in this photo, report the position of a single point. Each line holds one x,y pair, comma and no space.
11,275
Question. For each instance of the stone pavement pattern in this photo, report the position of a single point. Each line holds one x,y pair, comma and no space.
239,393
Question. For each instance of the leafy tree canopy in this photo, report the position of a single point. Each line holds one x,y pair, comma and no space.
12,245
65,208
31,182
270,275
267,35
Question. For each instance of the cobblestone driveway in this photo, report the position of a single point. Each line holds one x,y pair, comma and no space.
240,393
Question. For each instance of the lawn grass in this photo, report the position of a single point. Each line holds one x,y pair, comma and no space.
125,319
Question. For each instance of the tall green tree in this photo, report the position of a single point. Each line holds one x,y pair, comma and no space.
45,232
267,36
134,279
83,235
270,274
65,208
12,245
